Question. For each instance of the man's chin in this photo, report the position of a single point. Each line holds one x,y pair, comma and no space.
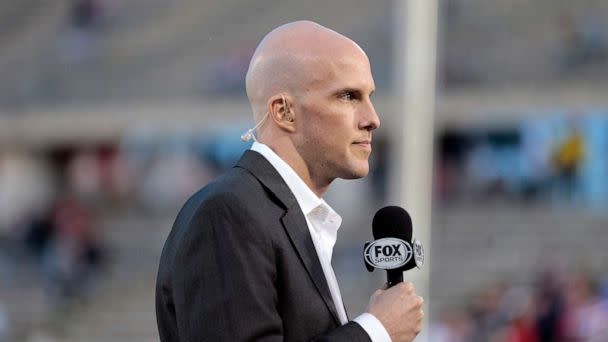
356,173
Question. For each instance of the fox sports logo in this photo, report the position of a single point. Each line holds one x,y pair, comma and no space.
388,253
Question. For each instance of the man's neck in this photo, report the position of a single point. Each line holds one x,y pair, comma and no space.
290,156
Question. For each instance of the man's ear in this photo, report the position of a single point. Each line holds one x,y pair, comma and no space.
281,112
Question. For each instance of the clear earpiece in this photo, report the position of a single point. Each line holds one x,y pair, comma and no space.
248,135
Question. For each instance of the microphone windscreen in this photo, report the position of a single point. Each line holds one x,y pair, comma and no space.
392,221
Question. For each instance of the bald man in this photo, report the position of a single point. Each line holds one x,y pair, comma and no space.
249,255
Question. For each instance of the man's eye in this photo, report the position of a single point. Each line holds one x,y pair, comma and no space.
347,96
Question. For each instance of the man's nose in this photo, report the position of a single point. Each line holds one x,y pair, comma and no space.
370,120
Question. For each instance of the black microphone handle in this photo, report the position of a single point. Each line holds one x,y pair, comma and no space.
393,277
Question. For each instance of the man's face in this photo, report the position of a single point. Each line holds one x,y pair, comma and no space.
336,118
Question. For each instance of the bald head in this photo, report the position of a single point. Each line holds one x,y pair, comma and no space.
290,58
313,87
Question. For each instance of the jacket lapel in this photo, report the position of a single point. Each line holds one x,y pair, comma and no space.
293,222
295,225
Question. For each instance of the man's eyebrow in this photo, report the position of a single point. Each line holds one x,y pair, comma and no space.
356,91
349,90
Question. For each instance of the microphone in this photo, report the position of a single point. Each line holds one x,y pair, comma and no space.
393,248
249,134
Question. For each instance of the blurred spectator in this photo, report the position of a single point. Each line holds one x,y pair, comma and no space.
83,174
454,148
172,176
75,252
549,306
114,175
98,174
80,41
485,313
504,312
536,159
552,158
26,186
452,327
519,309
583,40
568,159
39,235
483,169
86,14
585,319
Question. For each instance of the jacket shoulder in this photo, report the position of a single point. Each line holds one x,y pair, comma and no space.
236,195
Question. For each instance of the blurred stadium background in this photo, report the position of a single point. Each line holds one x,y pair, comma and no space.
113,112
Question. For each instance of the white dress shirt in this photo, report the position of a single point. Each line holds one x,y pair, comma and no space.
323,223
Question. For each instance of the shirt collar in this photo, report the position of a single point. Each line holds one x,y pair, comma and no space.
306,198
324,221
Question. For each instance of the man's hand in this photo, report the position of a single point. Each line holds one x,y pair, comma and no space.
399,309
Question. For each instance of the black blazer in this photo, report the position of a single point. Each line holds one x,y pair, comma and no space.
240,265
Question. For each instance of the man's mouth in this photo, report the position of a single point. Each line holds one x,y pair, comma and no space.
367,143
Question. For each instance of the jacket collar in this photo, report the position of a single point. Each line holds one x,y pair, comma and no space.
293,221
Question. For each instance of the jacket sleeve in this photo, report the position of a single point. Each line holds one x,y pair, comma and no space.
224,277
349,332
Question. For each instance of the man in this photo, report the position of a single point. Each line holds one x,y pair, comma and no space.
249,256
